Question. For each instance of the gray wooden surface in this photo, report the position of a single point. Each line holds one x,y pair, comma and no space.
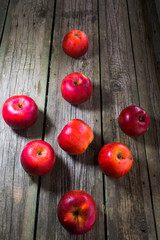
79,172
127,199
3,14
149,97
24,55
122,64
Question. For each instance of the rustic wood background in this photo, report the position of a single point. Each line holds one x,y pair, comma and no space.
123,64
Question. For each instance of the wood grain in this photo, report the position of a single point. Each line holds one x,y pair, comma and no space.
69,172
149,95
157,4
24,55
128,201
3,13
152,28
124,72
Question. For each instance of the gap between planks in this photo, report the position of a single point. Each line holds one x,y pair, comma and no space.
101,118
134,61
2,26
44,120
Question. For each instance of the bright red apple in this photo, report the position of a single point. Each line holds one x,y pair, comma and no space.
76,88
134,121
77,211
20,112
75,43
38,158
75,137
115,159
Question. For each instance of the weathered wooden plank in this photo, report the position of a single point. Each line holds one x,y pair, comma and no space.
157,3
72,172
3,12
24,55
152,26
149,95
128,202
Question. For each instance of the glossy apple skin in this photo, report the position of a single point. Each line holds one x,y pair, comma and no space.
115,159
134,121
20,112
75,137
76,88
75,43
38,158
77,211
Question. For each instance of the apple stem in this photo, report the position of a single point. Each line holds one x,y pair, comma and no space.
141,119
76,214
119,156
20,105
76,83
39,153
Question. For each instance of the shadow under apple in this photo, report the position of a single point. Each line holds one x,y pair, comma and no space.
93,103
36,131
58,179
90,156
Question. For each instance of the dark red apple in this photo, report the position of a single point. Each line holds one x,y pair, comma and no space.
134,121
20,112
38,158
115,159
76,88
75,43
75,137
77,211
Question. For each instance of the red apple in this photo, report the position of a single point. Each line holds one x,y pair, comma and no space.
20,112
115,159
75,43
75,137
77,211
76,88
37,158
134,121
